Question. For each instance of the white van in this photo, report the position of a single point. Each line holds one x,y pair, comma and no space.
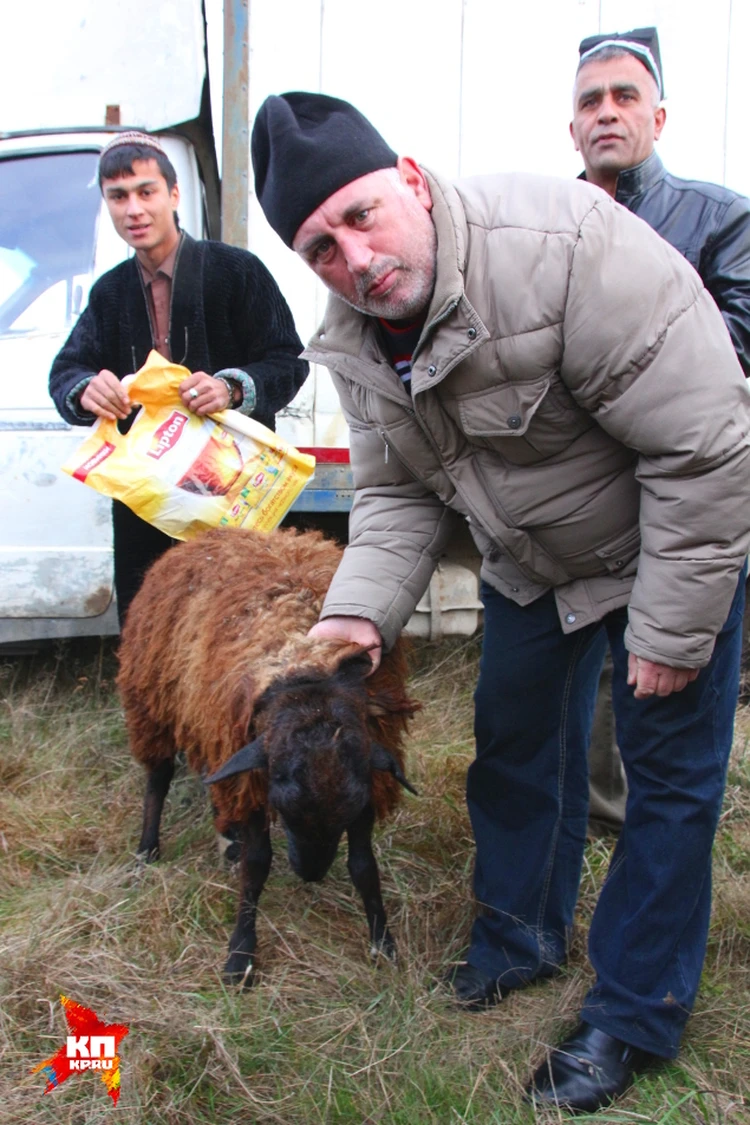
56,238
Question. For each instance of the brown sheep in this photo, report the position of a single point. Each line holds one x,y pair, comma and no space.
215,661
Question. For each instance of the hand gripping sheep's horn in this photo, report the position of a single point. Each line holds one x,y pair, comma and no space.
234,656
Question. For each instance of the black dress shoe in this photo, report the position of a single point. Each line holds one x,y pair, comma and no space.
587,1071
473,989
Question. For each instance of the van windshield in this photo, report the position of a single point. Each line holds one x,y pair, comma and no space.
49,208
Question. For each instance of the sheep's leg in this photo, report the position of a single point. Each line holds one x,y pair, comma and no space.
255,863
363,869
157,786
229,840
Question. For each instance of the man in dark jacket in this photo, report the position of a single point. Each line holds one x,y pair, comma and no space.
213,308
617,117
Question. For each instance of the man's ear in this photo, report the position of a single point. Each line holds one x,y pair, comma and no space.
573,137
660,117
174,195
414,178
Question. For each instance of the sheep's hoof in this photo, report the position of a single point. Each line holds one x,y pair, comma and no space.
230,849
239,970
147,855
385,948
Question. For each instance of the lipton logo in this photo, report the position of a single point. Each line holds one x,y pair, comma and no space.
167,435
101,455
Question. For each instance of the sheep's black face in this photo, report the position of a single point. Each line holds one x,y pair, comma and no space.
319,774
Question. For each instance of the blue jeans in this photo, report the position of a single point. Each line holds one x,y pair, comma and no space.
527,793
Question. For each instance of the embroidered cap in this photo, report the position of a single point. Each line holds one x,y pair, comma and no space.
641,42
132,137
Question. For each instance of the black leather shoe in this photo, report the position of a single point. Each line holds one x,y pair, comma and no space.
587,1071
473,989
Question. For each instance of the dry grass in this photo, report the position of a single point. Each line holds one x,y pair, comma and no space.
324,1037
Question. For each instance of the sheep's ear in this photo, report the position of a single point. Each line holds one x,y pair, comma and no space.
382,759
250,757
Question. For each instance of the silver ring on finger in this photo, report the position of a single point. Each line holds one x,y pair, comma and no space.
193,393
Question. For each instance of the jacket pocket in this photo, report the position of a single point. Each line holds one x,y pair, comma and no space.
620,555
502,411
524,422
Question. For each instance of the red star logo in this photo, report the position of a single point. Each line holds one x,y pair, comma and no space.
91,1045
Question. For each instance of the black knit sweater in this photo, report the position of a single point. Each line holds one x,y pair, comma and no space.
226,311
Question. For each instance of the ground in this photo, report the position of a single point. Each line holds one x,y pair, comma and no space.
324,1036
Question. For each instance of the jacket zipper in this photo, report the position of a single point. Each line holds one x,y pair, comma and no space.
430,328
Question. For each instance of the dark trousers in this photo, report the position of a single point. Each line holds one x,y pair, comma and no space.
527,794
136,545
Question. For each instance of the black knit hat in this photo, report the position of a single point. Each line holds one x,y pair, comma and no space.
641,42
305,147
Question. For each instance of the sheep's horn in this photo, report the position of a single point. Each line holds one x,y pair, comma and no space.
382,759
250,757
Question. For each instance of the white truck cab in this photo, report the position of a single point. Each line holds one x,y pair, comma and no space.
56,238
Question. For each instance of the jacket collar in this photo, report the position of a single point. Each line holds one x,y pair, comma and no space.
633,181
184,289
452,236
350,332
166,267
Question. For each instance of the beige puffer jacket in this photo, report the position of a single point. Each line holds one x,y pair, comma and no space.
575,397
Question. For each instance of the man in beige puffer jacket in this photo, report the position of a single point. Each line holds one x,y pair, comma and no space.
571,391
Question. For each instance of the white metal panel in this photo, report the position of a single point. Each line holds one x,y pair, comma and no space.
737,168
518,72
400,64
314,418
285,37
285,55
450,606
55,535
62,64
33,457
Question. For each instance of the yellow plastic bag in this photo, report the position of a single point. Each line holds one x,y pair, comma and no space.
184,473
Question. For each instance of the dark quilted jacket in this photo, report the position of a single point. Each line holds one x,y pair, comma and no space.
227,311
710,226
